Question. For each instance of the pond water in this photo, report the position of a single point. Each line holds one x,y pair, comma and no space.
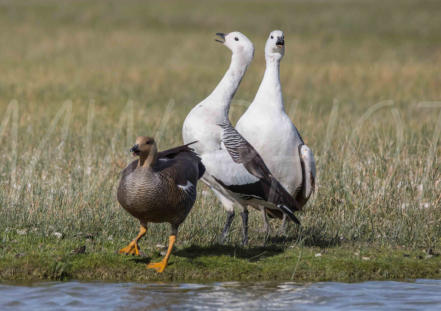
418,295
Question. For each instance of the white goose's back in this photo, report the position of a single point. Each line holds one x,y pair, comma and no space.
201,125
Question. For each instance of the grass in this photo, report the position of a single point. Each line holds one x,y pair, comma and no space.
80,79
56,259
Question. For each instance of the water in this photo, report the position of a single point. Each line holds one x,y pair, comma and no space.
418,295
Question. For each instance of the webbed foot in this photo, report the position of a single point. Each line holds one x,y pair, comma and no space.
158,266
131,249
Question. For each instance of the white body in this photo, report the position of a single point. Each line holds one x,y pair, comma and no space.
202,123
268,128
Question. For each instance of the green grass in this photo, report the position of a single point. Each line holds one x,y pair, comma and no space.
81,79
54,259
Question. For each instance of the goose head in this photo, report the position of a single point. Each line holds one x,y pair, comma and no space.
275,45
145,148
239,45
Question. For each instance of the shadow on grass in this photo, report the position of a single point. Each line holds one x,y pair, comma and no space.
249,253
307,236
144,260
314,237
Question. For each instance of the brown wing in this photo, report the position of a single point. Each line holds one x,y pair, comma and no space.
183,151
172,152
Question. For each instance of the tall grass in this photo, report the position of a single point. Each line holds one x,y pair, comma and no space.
81,79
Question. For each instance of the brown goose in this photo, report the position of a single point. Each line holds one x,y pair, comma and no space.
159,187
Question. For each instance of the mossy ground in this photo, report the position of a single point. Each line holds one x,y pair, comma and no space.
31,258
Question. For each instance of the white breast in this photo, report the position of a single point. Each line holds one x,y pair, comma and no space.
276,140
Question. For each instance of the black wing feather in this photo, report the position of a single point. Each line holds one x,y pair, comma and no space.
242,152
174,152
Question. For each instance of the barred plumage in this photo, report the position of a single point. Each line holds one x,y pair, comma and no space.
267,188
159,187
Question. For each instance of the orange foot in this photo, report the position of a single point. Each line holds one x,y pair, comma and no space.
131,249
158,266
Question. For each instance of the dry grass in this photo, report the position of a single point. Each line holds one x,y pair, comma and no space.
80,79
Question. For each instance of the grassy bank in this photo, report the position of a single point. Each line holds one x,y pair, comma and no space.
81,79
88,259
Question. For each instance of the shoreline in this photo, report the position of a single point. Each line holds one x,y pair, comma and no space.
63,260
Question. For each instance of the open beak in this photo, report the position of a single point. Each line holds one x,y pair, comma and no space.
135,149
280,42
221,36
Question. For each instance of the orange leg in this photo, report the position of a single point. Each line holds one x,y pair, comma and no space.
160,266
133,248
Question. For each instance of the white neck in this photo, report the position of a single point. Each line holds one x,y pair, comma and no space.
270,90
224,92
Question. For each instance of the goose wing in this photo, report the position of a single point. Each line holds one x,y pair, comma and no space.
235,179
308,166
266,186
182,168
172,152
183,151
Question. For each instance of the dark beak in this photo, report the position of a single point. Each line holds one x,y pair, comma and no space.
135,149
221,35
280,41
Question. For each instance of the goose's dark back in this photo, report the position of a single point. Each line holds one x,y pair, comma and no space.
164,192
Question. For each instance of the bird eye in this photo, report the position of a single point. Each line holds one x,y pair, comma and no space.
148,142
236,38
272,37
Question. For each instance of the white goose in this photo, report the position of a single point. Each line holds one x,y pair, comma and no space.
234,170
271,132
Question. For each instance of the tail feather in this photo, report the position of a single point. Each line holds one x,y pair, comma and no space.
201,168
278,195
290,214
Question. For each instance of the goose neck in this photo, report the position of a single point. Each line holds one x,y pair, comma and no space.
149,160
270,89
227,87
